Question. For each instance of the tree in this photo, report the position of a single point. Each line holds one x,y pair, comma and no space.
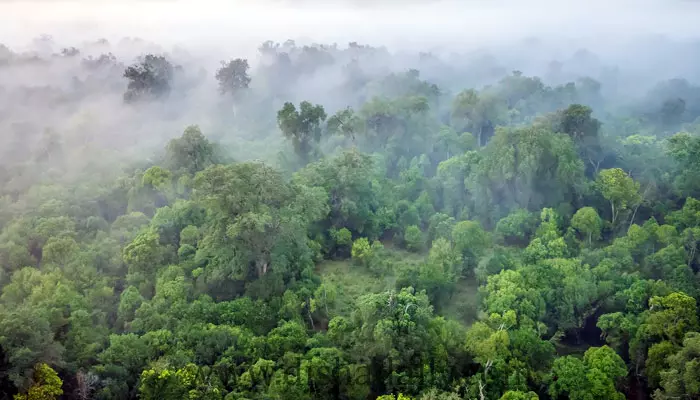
302,127
452,177
672,111
684,148
254,215
478,113
605,368
508,291
59,251
46,385
518,395
189,381
346,123
341,242
143,256
528,168
506,354
588,223
27,329
163,384
440,271
401,396
354,193
593,378
671,317
517,227
121,363
413,237
190,153
366,254
577,122
471,241
682,377
619,189
391,331
233,76
440,226
361,251
150,78
86,383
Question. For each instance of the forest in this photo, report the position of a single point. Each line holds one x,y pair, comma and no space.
325,221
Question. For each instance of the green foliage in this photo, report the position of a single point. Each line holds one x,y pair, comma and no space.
342,240
413,238
366,254
188,276
619,189
527,168
46,385
471,241
401,396
233,76
671,317
150,78
518,395
592,378
517,226
681,378
684,149
439,273
302,127
587,222
190,153
354,197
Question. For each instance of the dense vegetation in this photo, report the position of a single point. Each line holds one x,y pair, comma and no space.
414,238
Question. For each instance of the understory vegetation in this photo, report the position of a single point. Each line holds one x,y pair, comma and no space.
335,223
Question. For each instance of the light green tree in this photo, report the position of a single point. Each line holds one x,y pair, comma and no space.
619,189
302,127
518,395
592,378
588,223
46,385
413,237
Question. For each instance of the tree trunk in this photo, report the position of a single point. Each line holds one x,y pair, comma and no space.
691,257
595,165
634,214
261,268
612,206
313,327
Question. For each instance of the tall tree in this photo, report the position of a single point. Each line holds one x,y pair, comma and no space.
233,76
588,223
619,189
254,212
302,127
151,77
577,122
46,385
191,152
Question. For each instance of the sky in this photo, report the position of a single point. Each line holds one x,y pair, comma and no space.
394,23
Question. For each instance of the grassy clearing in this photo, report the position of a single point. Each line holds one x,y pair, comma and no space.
351,281
464,304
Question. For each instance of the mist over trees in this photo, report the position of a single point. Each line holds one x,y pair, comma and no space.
326,221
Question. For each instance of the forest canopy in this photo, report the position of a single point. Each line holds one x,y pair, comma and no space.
345,222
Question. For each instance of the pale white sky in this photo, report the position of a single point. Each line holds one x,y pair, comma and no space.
395,23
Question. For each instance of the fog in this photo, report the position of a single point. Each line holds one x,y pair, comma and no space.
403,24
51,100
